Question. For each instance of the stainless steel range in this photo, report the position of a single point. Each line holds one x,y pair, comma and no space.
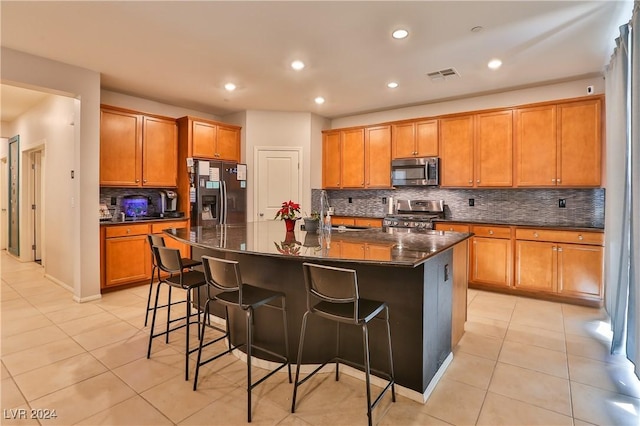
415,214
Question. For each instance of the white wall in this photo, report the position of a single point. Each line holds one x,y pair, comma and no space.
150,107
24,70
571,89
318,124
48,125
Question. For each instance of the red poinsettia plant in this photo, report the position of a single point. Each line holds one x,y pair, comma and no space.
288,211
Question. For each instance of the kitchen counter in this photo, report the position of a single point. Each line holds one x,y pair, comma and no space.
416,273
523,225
404,247
130,221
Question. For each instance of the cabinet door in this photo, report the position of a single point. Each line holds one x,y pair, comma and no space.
353,158
228,144
456,151
127,259
579,143
203,139
493,152
536,266
580,269
352,250
491,261
535,141
331,160
120,148
378,157
427,138
404,140
160,152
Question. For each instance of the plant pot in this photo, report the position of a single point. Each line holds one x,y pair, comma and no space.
311,225
290,224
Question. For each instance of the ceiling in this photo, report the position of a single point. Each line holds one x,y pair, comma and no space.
182,53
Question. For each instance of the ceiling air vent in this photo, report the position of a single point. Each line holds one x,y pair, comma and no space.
447,73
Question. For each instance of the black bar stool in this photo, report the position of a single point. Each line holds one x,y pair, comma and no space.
158,240
225,286
332,293
169,260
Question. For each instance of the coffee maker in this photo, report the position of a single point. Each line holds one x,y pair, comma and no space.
169,204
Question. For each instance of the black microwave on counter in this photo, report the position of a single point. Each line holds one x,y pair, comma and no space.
424,171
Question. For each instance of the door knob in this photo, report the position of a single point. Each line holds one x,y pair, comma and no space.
261,214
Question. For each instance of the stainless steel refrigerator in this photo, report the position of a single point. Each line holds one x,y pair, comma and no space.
219,193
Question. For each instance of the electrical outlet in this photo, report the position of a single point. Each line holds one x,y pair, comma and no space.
562,203
114,201
384,200
472,202
350,200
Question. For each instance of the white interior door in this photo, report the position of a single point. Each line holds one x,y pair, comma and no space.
278,173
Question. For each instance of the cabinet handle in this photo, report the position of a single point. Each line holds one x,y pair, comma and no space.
144,181
559,249
490,232
128,230
478,181
471,181
554,248
580,237
553,180
535,234
137,180
559,180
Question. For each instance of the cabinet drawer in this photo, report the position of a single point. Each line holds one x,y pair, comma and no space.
339,220
368,222
127,230
157,228
453,227
491,231
574,237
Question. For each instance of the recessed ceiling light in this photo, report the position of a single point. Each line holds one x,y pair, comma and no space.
319,100
477,29
392,85
399,34
230,87
494,64
297,65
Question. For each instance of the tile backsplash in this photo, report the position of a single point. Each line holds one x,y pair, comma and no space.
584,207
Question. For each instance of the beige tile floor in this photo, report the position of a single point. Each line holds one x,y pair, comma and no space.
520,362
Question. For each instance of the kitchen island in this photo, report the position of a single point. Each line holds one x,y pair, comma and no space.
414,272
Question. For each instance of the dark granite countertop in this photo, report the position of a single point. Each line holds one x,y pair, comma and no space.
396,246
525,225
137,220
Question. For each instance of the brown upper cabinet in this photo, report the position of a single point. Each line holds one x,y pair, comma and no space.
559,145
415,139
357,158
137,150
476,150
208,139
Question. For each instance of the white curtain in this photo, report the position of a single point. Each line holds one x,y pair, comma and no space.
622,210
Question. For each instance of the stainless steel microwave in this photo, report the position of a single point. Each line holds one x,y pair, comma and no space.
423,171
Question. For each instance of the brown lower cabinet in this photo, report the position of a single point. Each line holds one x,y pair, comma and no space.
542,262
367,222
125,252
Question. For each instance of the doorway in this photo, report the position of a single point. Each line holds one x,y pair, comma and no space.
4,201
278,179
14,192
36,202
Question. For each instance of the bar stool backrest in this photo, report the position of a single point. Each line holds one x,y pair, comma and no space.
168,259
155,240
331,284
222,275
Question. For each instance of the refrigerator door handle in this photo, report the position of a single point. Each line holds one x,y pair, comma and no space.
223,207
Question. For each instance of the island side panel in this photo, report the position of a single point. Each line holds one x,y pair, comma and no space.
401,287
460,280
438,286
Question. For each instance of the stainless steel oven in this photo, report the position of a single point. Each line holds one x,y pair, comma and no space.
422,171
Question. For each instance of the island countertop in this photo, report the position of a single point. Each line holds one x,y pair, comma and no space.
391,246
